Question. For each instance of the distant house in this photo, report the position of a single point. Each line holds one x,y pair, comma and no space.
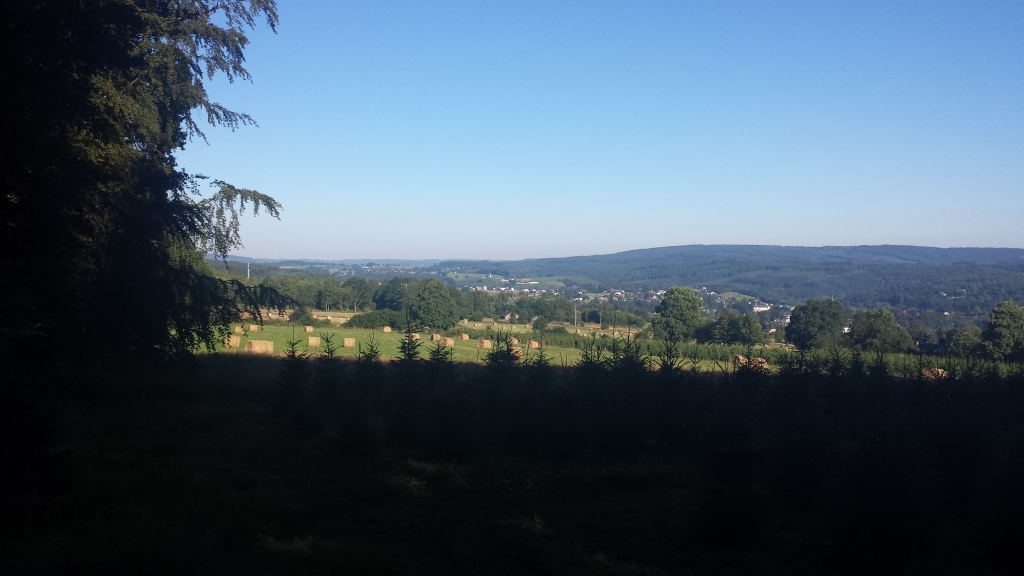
761,308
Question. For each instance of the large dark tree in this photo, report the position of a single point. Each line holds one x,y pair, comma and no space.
679,314
816,324
393,294
434,306
876,330
103,234
732,328
1004,336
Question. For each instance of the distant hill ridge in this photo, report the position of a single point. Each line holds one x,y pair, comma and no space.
879,253
908,276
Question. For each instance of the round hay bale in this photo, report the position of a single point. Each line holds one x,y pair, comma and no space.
448,342
259,347
463,336
348,343
934,373
435,337
307,328
514,341
414,335
483,344
532,344
232,341
759,363
313,341
386,329
238,330
254,327
517,351
738,359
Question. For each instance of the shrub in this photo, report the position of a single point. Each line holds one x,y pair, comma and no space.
377,319
304,316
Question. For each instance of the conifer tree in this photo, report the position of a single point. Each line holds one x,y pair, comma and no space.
104,235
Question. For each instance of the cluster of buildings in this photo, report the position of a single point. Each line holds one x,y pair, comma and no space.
512,290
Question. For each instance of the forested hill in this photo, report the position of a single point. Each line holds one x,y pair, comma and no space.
859,275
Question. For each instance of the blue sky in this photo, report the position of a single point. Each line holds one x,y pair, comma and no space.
529,129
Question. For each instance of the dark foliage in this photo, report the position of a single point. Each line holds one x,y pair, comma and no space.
304,317
870,464
103,234
377,319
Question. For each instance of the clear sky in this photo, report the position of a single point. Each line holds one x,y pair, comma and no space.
518,129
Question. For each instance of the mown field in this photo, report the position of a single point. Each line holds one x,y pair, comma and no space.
464,350
707,357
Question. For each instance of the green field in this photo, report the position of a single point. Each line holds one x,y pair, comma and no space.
736,297
465,350
465,279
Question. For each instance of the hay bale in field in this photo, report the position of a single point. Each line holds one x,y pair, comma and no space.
476,325
448,342
738,360
463,336
259,347
232,341
307,328
414,335
254,327
483,344
759,363
514,341
435,337
386,329
348,343
934,373
517,351
313,341
465,321
532,344
238,330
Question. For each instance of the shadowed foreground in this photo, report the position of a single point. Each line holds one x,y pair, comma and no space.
254,465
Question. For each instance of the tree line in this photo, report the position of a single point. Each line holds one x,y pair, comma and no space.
820,323
429,302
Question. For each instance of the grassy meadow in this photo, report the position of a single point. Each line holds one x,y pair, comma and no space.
464,350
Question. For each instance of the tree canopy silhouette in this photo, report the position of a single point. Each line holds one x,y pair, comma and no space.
816,324
104,234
